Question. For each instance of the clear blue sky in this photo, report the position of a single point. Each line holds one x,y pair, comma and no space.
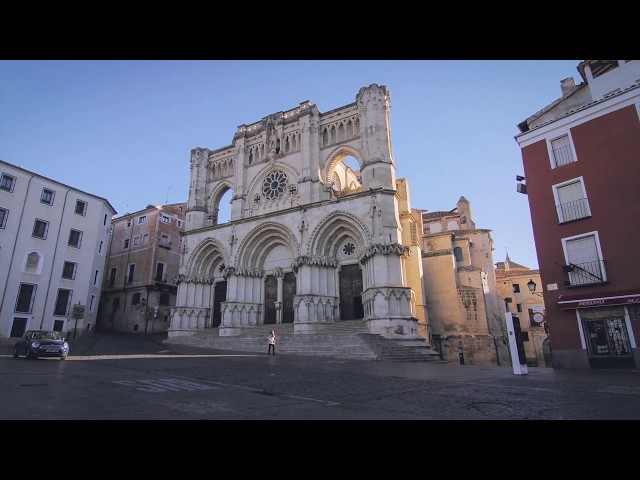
124,130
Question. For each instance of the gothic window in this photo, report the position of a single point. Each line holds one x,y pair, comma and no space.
221,268
274,185
256,199
348,248
293,190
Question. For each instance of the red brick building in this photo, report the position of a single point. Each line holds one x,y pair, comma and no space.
581,158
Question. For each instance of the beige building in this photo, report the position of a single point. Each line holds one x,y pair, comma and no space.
466,316
143,259
520,289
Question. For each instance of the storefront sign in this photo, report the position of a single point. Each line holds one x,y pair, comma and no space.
600,301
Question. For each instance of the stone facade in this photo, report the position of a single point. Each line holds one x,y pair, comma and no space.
512,281
311,240
465,314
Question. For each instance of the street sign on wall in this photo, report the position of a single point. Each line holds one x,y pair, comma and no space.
78,311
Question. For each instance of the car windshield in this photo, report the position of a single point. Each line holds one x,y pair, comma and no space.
46,336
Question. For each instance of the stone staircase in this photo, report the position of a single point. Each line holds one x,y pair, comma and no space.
348,339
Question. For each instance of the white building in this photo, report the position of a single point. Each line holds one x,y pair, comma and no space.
312,239
53,246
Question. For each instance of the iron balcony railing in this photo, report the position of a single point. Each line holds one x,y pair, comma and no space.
563,155
573,210
585,273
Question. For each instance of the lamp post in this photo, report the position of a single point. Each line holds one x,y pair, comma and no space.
531,285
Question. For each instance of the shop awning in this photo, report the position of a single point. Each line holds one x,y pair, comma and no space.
626,297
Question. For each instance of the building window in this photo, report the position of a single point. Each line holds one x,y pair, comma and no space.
75,238
46,196
92,303
142,219
584,259
62,302
164,240
69,270
126,243
128,223
145,238
112,276
136,240
519,307
40,228
135,300
4,214
274,184
160,272
562,152
457,251
96,277
166,219
179,223
516,288
26,296
81,208
131,270
100,247
571,200
7,182
104,220
115,303
598,67
164,299
524,336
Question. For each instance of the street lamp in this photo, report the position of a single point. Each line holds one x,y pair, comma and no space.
531,285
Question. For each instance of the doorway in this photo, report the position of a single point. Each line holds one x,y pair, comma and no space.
351,292
219,296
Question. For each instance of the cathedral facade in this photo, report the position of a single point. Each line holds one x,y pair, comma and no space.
311,239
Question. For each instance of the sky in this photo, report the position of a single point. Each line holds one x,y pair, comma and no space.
124,130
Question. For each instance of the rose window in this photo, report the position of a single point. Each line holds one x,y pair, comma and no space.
348,248
274,185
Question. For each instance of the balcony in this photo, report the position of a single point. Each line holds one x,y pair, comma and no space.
585,273
563,155
573,210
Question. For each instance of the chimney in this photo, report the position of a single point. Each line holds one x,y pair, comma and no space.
567,85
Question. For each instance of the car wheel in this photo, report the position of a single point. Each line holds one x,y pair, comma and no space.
15,352
62,358
29,355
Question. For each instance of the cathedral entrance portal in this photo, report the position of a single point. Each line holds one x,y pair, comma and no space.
220,295
271,297
351,293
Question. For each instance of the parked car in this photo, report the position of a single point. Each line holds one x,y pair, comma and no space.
41,343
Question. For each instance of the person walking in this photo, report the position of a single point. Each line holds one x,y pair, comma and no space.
272,343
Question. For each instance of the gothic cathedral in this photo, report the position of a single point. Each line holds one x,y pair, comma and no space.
310,239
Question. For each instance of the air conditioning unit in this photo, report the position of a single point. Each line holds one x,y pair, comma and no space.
521,188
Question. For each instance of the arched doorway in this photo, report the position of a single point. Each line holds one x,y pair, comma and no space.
219,296
351,292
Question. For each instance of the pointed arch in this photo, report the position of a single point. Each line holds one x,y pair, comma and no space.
336,157
255,187
333,230
261,240
207,256
213,203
